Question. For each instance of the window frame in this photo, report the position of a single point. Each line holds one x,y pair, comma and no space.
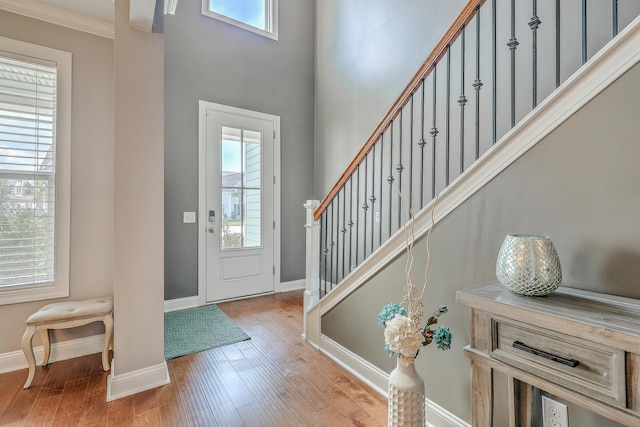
60,286
271,19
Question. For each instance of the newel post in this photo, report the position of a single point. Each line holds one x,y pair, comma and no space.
311,295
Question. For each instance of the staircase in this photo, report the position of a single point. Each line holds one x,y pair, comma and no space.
468,114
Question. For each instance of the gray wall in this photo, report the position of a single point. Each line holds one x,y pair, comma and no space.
578,186
367,51
209,60
92,238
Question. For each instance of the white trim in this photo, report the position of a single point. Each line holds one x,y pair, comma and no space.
142,14
54,15
63,60
203,106
370,374
615,59
292,285
180,304
14,360
271,20
119,386
378,380
170,7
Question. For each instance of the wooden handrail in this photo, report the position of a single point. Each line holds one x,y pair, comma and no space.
465,16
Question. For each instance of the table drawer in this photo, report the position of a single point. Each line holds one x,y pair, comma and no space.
599,370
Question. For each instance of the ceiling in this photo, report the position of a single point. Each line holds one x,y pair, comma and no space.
101,10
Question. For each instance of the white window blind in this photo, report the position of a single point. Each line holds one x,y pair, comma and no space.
27,171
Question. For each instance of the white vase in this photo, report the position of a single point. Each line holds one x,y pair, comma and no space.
406,397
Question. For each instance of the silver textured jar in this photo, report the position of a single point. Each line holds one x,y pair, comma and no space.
528,265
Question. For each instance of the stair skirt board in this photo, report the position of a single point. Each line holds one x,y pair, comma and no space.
377,379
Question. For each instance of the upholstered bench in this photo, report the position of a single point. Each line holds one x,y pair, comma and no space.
63,315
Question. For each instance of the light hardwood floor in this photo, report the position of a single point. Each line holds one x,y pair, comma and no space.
274,379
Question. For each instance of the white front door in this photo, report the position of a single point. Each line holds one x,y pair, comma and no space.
237,219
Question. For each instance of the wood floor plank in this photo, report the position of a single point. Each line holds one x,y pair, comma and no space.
203,418
150,418
223,409
22,401
10,385
273,379
43,411
73,396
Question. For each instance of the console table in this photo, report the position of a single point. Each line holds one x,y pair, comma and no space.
581,346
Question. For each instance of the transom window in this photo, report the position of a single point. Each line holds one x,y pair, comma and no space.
34,162
258,16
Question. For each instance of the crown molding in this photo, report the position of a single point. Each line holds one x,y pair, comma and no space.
53,15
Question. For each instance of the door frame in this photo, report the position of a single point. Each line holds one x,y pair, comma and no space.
203,107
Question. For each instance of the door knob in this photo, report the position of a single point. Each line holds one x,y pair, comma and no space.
211,230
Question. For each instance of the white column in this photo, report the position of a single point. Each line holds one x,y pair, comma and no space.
138,288
311,295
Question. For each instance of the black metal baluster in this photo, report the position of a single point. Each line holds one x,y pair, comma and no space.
614,18
326,249
534,23
447,118
411,152
557,43
344,228
434,134
390,178
494,67
350,223
381,185
357,214
513,45
331,246
365,206
321,265
477,83
584,31
400,168
422,143
462,101
372,199
336,248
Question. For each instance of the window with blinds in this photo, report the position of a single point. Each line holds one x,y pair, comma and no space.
28,174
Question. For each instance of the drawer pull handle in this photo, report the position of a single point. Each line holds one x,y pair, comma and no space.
569,362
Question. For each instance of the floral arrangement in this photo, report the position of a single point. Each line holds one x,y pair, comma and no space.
403,333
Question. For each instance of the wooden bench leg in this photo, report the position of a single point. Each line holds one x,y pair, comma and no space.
46,344
108,335
27,349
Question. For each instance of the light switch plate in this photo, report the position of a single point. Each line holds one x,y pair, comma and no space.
189,217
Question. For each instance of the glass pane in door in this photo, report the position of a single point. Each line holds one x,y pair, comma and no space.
241,189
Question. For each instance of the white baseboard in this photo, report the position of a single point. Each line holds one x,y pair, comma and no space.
377,379
181,303
370,374
15,360
119,386
293,285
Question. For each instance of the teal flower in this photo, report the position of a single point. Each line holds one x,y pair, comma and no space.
442,337
388,312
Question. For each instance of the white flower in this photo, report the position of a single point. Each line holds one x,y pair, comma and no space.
402,336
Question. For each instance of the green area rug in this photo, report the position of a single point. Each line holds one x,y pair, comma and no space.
198,329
